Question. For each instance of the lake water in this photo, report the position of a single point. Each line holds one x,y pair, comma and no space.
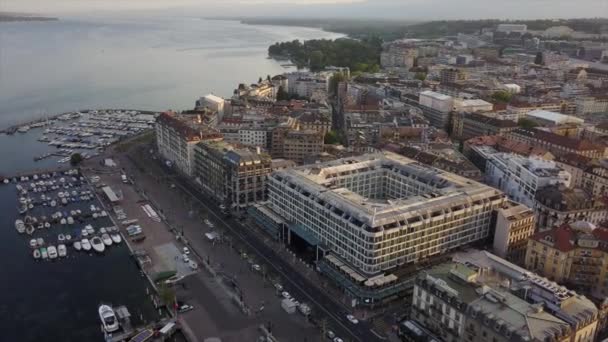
153,63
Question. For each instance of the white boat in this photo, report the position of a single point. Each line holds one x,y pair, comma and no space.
20,226
102,230
40,242
86,245
116,238
97,244
33,243
89,229
53,203
108,318
52,250
61,237
63,221
68,237
64,201
62,250
47,225
106,239
43,253
70,220
77,245
84,233
36,254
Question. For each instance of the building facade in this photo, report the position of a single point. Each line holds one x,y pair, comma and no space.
515,223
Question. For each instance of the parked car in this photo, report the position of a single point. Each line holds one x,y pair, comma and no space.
185,258
186,251
185,308
352,319
286,295
330,334
256,267
337,339
278,287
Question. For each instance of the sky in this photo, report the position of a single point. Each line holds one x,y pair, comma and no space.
393,9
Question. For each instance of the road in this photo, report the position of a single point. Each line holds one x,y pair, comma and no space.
298,285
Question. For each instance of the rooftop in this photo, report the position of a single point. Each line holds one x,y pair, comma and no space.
554,117
371,205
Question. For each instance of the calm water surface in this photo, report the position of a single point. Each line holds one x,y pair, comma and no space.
46,68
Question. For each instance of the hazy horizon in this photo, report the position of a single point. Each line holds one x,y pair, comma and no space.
355,9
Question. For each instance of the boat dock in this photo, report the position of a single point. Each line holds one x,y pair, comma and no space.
138,334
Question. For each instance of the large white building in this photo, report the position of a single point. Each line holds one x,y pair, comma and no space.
436,107
307,84
546,117
382,210
520,177
212,102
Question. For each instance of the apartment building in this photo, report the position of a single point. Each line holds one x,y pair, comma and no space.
176,136
515,223
436,107
480,297
520,177
573,254
300,144
557,144
377,212
469,125
556,205
234,177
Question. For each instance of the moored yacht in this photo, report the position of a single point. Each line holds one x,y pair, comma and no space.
20,226
52,250
97,244
86,244
116,238
62,250
106,239
108,318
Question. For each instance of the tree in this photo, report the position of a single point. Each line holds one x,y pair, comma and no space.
268,78
259,80
334,81
539,58
75,159
502,96
527,123
317,61
332,138
420,76
282,95
167,295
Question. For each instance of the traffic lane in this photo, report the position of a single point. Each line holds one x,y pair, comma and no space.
330,307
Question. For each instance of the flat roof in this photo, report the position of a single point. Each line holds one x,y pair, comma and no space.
555,117
110,194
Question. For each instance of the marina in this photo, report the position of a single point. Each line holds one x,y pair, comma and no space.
87,132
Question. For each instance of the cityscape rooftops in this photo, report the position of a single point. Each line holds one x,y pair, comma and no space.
555,118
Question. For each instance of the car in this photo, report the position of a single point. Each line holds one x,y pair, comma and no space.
186,251
352,319
278,287
185,308
286,295
185,258
256,267
330,334
337,339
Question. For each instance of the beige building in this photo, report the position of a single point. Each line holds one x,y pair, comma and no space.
573,254
176,136
515,223
556,205
298,145
479,297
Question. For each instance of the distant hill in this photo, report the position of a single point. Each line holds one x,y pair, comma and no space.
393,29
10,17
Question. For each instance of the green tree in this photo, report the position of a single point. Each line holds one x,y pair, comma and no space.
282,95
332,138
75,159
527,123
316,61
268,78
334,81
539,58
259,80
167,295
420,76
502,96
